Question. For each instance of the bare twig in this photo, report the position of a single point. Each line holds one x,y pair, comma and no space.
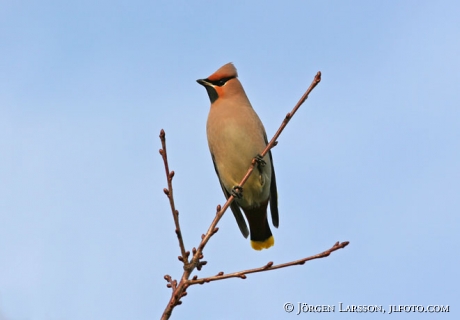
170,195
269,266
179,290
270,145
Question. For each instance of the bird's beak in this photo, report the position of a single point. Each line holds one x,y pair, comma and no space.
203,82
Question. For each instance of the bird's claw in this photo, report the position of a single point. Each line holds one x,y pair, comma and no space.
237,192
260,161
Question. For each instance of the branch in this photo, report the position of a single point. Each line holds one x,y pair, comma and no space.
269,266
179,290
270,145
170,195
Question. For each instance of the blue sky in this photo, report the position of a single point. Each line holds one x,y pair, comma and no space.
372,157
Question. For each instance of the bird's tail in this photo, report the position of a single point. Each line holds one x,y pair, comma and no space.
261,235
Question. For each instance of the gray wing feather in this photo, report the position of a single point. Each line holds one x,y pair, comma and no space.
273,192
273,196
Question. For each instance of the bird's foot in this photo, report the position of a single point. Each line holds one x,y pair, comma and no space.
260,161
237,192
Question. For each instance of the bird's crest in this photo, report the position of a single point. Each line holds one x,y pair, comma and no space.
226,71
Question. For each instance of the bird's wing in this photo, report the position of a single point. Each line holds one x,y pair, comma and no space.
273,192
234,206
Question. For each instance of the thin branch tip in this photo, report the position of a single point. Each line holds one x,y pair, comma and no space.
175,213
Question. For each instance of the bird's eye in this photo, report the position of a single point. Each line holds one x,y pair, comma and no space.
221,82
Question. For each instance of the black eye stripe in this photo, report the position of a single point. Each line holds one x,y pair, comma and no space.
220,82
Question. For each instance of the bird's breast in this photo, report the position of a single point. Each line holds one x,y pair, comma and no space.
234,140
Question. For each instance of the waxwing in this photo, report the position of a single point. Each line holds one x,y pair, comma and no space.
236,136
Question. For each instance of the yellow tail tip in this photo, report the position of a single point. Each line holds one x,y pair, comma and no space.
259,245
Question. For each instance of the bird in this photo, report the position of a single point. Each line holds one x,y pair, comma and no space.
236,136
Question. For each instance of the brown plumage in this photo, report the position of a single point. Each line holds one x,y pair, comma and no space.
235,136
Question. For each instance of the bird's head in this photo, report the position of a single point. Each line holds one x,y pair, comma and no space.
221,83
